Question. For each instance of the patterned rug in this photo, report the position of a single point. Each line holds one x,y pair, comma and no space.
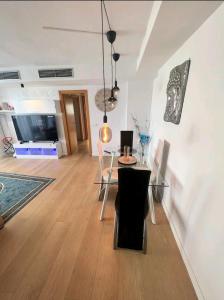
17,190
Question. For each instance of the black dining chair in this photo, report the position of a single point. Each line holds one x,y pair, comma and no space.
131,207
126,140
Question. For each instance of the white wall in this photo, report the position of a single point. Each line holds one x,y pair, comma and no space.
139,101
194,201
42,100
139,104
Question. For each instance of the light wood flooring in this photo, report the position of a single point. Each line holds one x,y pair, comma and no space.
56,247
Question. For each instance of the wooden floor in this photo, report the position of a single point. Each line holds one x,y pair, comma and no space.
56,248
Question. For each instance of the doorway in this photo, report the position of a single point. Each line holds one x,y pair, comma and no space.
75,114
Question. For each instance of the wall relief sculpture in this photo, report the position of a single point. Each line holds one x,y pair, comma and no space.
176,91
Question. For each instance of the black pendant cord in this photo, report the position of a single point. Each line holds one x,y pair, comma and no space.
112,71
104,85
108,22
112,48
115,71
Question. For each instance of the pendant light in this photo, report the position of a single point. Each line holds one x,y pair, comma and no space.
112,98
105,133
116,89
111,38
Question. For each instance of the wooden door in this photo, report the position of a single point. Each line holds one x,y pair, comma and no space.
81,116
84,95
77,118
84,117
71,125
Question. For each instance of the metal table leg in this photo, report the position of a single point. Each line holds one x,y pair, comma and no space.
151,206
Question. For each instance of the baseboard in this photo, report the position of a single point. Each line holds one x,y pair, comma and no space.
185,258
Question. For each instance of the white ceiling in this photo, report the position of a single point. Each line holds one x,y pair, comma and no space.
174,24
144,34
25,43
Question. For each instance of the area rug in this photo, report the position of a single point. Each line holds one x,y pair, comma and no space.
17,190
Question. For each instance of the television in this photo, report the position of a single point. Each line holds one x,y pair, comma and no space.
35,127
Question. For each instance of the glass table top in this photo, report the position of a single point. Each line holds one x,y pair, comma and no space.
156,179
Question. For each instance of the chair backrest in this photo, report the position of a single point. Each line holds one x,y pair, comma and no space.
133,192
126,140
100,154
101,159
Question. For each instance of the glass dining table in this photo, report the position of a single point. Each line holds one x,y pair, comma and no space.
157,181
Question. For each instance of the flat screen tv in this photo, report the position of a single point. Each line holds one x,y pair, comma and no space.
35,127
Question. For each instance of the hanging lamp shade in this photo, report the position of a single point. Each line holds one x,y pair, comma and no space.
112,99
105,133
116,89
116,56
111,36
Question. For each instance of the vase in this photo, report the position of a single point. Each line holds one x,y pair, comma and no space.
141,153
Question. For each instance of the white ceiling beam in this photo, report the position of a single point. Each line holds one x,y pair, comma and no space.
152,19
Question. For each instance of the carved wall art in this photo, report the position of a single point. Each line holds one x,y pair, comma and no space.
176,91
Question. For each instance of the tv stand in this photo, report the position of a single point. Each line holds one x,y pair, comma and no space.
40,150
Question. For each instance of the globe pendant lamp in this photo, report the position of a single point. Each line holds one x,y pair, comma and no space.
116,89
105,133
112,98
